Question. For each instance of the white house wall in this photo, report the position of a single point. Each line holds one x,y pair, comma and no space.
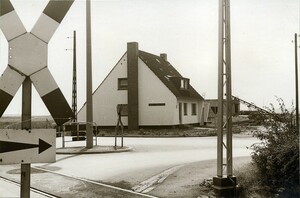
107,96
189,118
153,91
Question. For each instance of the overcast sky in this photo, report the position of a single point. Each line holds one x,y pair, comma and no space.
187,30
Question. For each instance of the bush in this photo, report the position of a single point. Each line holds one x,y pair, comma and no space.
277,156
258,118
250,184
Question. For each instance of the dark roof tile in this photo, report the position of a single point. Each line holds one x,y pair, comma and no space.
165,72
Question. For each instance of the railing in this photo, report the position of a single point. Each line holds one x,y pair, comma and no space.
77,130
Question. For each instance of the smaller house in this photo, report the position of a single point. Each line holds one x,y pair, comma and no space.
211,109
151,91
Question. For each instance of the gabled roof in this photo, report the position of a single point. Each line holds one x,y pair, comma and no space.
168,75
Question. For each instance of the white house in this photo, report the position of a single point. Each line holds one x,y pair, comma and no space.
150,88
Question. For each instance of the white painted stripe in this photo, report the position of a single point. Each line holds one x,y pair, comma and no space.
97,183
44,28
151,183
10,81
43,81
11,25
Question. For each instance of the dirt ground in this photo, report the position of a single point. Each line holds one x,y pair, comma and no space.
186,181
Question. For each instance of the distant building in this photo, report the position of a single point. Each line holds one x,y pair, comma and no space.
151,91
211,109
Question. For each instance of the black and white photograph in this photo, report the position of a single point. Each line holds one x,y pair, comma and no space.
149,98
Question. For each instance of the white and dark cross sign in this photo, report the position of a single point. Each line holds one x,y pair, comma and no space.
28,57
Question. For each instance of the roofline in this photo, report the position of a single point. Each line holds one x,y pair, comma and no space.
104,80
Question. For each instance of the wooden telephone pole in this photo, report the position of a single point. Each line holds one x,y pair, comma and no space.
89,81
74,85
296,86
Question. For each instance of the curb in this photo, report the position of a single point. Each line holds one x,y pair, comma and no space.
94,150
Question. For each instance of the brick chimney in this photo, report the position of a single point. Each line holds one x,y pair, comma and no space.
164,56
132,92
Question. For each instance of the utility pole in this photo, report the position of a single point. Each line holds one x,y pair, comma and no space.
224,184
74,87
296,81
89,93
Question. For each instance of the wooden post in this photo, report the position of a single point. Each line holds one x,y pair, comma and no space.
296,81
122,140
26,124
25,180
74,87
89,81
26,104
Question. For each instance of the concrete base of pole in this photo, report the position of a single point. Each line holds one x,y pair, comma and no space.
225,186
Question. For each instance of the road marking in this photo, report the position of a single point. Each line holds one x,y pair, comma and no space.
151,183
97,183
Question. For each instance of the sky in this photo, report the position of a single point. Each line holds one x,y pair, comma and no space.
262,51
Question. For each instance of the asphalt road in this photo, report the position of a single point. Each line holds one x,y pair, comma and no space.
151,158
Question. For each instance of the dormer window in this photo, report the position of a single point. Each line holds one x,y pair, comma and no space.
184,83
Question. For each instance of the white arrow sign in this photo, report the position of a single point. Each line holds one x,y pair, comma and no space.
22,146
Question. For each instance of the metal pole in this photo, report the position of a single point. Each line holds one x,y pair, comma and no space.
89,93
224,186
220,94
296,79
26,124
228,91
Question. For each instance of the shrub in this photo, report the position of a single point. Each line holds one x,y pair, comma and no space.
257,117
277,156
250,184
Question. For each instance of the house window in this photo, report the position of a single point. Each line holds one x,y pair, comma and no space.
157,104
184,83
185,108
194,109
122,83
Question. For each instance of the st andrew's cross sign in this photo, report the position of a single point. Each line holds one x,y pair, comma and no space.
28,52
